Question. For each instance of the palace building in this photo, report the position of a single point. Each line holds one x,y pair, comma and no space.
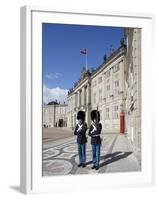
114,88
102,89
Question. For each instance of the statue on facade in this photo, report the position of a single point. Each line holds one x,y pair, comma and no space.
83,72
122,42
105,57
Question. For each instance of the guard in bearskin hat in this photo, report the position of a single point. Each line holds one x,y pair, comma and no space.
95,131
80,131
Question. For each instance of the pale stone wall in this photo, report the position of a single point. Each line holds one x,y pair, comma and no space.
52,114
60,114
48,116
133,86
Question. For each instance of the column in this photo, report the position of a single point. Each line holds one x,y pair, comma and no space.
103,87
88,101
86,91
78,99
83,97
85,103
88,94
75,100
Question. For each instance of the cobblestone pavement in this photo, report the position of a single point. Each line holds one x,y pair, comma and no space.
61,158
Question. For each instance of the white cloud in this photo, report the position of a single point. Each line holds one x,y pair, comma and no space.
53,76
53,94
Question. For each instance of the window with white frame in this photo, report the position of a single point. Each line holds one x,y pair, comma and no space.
116,68
107,74
107,90
116,88
116,112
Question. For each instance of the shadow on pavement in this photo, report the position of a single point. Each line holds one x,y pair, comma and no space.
112,157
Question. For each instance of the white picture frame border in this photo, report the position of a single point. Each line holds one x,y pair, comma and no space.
31,95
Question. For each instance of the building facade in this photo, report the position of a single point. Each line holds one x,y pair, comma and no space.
54,115
102,89
79,98
133,87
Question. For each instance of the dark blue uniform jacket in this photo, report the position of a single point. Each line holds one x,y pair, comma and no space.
80,131
95,131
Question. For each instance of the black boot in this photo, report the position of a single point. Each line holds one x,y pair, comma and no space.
97,167
83,165
93,167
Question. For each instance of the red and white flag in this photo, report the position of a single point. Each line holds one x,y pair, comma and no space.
83,51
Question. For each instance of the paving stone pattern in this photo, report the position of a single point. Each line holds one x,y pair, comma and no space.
61,157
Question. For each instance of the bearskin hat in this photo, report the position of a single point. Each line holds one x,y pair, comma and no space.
81,115
95,114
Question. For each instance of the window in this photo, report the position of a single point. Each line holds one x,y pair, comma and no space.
116,112
107,91
116,83
100,79
132,98
107,74
108,87
116,88
116,68
107,113
94,98
100,95
132,73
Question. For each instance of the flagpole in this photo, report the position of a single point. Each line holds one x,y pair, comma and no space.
84,52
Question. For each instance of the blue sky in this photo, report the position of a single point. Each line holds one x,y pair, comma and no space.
62,61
